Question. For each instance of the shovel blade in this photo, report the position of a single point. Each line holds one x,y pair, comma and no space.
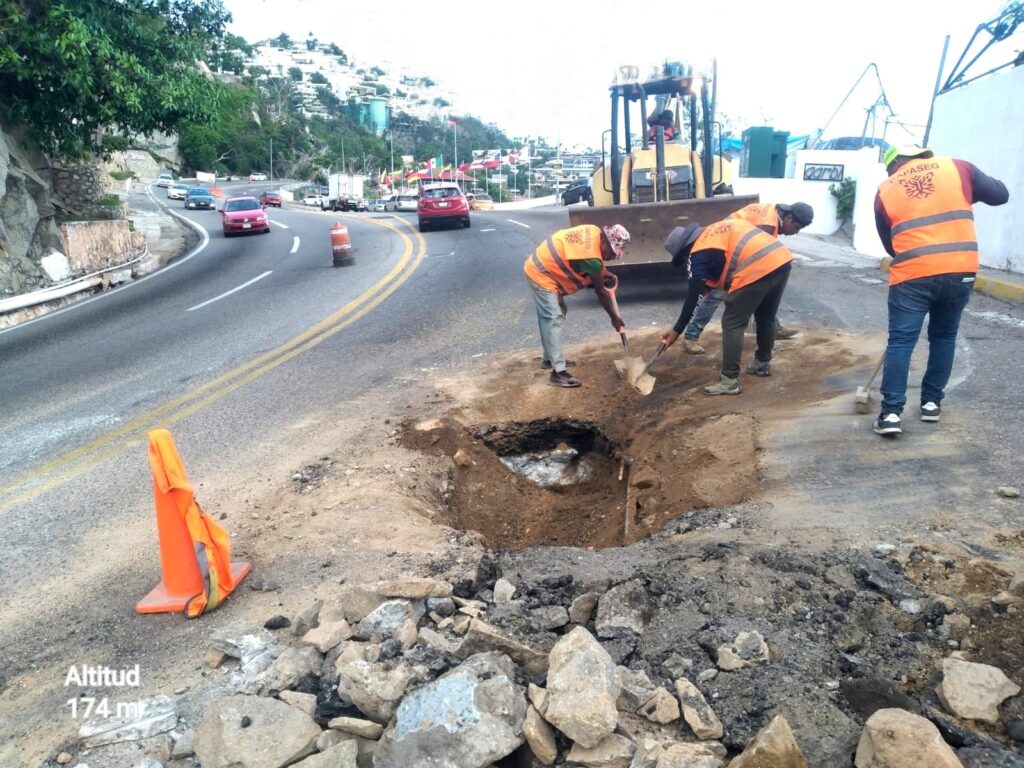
622,368
645,384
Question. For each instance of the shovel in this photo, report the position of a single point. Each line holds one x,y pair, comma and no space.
628,367
644,382
863,397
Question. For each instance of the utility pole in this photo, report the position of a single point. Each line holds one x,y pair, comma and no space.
271,159
935,93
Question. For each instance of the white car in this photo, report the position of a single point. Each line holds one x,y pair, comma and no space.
317,200
257,177
166,179
378,205
177,191
407,203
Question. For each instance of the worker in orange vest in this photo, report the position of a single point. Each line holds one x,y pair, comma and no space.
773,218
566,262
752,267
925,219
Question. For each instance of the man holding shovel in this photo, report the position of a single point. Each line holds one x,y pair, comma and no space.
752,267
566,262
775,219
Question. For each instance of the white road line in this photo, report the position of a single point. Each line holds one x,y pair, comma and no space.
295,244
492,229
205,241
233,290
279,224
513,221
996,317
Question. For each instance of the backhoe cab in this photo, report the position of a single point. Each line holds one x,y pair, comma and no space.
670,177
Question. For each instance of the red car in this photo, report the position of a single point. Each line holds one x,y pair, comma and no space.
242,215
442,204
271,198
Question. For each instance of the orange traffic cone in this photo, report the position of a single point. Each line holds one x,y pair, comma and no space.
341,244
195,552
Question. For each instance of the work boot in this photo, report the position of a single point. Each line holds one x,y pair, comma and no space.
691,347
757,368
724,386
546,365
563,379
787,333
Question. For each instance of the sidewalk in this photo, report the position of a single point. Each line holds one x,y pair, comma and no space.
997,283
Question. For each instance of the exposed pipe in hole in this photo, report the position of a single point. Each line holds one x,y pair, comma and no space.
625,470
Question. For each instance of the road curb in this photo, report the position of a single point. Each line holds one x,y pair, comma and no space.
990,286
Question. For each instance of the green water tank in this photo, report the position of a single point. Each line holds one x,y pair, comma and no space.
764,153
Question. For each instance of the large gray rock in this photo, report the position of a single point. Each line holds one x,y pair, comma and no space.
367,729
583,687
772,747
143,719
289,668
635,689
611,752
373,688
307,618
689,756
662,708
894,738
328,634
469,717
413,589
622,610
974,691
530,654
253,732
388,617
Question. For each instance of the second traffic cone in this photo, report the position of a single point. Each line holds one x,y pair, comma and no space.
195,552
341,244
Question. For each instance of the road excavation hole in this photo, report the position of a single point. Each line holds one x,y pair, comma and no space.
575,482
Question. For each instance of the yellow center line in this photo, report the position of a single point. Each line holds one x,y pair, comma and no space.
214,390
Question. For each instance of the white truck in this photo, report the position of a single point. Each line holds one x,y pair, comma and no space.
345,192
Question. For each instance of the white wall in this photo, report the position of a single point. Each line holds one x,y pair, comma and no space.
982,123
815,194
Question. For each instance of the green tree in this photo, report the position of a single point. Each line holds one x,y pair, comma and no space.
282,41
311,42
317,78
295,74
68,70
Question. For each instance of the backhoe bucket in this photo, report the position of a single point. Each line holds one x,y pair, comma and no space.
649,223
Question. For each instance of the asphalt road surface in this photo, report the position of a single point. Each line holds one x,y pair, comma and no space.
238,345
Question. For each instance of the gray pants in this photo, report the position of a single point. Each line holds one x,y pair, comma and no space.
551,322
761,300
705,311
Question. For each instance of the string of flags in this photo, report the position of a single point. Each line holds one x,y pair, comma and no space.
434,167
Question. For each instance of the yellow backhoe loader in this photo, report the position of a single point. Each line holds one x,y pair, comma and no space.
665,181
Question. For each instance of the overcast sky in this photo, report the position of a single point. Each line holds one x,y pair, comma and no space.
542,68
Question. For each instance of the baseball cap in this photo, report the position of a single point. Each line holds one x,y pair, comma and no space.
893,152
618,238
801,212
680,240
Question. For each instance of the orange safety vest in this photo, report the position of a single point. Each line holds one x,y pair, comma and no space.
550,266
750,252
760,215
932,220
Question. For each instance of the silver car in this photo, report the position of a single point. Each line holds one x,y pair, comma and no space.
378,205
177,191
409,203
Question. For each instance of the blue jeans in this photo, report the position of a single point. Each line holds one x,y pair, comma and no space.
942,298
705,311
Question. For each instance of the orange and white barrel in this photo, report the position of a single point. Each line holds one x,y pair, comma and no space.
341,244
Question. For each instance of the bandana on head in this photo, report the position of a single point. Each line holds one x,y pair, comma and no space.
618,236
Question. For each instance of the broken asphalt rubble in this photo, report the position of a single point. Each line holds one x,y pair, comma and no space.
647,672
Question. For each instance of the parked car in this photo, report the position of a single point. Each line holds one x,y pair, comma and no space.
406,203
177,191
378,205
577,192
166,179
199,197
317,200
242,215
271,198
481,202
442,204
257,177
